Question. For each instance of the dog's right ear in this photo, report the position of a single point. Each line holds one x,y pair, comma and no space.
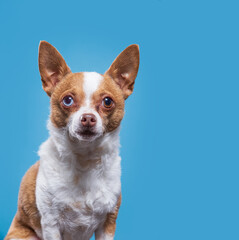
52,66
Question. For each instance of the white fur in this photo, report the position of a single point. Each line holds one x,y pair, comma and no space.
91,83
78,182
101,235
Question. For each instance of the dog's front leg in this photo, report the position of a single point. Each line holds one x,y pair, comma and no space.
50,230
106,231
102,234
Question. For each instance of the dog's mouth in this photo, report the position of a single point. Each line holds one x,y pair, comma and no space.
87,134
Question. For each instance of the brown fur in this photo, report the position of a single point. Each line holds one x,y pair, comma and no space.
72,85
52,66
27,217
124,69
111,117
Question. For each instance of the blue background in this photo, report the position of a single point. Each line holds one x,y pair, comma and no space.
180,133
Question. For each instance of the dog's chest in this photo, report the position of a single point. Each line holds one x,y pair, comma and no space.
78,202
78,220
85,200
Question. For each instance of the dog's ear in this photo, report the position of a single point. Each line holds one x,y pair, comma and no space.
124,69
52,66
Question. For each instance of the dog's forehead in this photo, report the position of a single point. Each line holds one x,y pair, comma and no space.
83,84
91,82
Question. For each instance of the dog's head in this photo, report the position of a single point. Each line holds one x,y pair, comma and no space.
87,104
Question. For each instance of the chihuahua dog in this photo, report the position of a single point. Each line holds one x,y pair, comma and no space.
74,190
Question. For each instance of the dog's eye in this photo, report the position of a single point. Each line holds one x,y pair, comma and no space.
67,101
107,102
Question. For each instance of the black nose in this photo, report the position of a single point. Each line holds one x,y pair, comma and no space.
88,120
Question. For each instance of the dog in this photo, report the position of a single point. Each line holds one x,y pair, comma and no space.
74,190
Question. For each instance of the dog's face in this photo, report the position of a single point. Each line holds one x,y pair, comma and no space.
87,104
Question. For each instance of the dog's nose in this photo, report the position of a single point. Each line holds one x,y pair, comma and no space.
88,120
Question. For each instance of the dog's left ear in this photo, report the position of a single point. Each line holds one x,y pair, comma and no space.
52,66
124,69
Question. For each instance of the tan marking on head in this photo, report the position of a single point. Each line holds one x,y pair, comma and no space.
111,117
110,222
72,85
27,217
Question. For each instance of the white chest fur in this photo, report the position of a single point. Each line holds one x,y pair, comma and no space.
76,187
